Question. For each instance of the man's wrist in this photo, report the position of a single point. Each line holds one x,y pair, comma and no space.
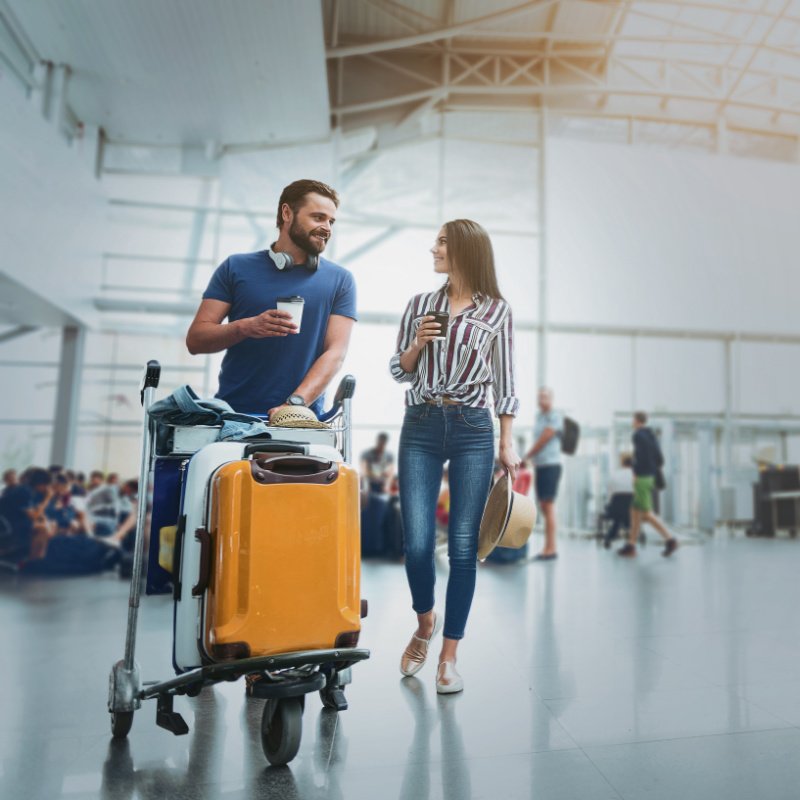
240,327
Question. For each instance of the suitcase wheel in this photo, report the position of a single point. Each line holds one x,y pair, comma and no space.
121,722
282,729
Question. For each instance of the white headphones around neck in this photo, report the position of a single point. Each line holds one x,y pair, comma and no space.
284,261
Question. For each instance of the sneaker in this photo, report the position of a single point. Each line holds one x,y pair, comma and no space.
670,547
629,551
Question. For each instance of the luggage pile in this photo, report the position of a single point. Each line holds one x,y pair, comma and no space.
259,542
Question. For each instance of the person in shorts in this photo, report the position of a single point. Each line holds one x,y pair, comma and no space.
546,455
647,461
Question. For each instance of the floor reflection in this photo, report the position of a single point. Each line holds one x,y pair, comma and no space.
416,783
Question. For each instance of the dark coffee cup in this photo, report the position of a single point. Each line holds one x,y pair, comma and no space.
443,318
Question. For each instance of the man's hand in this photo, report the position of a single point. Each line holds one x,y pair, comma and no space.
268,323
276,409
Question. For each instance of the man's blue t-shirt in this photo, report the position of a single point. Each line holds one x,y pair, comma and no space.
259,374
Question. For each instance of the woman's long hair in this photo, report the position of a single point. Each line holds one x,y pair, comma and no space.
469,250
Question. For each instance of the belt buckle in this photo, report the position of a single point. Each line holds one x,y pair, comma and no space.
439,401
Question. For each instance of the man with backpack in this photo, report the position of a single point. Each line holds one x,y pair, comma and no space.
647,463
546,455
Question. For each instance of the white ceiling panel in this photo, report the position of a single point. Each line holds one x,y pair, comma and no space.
188,70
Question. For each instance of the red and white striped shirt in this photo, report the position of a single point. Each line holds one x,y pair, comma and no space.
477,353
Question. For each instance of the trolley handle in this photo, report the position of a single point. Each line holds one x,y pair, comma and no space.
152,375
345,391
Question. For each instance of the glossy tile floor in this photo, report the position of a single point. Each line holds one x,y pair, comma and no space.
590,677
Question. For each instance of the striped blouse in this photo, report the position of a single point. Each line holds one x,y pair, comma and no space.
477,353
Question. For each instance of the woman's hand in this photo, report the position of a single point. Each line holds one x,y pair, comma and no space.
427,331
509,458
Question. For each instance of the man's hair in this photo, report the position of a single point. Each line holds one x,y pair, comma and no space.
37,476
640,417
469,251
7,474
383,436
295,193
96,473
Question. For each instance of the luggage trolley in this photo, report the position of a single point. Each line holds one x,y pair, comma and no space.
284,677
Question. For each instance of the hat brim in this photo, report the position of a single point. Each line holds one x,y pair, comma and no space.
495,518
300,423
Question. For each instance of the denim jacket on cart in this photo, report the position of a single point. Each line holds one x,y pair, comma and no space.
184,407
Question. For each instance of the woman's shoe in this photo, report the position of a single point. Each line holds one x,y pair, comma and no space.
448,681
413,658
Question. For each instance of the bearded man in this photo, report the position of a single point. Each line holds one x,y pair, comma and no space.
270,359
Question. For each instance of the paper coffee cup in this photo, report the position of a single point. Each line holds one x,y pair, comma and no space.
294,305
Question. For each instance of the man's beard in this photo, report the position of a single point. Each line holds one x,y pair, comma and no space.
304,241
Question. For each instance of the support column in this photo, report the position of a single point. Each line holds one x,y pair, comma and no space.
727,433
669,510
541,365
706,512
65,417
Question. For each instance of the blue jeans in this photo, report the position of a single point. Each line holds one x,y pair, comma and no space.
431,435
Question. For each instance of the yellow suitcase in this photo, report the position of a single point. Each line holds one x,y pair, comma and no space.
280,558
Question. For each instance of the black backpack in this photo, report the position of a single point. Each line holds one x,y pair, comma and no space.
570,434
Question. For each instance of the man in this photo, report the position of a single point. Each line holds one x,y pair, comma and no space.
10,480
546,455
377,465
102,505
647,461
23,506
270,361
620,496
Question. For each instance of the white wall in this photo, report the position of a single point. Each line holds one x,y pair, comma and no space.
53,211
666,238
655,238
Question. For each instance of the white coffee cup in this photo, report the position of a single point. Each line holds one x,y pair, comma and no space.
294,305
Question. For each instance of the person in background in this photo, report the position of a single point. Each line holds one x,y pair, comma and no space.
647,461
66,518
377,465
79,485
23,506
546,455
102,505
620,495
10,480
126,530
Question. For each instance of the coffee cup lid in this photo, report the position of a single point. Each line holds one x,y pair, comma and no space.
295,298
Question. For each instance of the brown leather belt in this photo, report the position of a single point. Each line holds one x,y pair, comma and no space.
444,401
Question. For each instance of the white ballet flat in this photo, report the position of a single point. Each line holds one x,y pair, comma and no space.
448,681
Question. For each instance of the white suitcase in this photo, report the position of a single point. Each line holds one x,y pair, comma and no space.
204,463
202,466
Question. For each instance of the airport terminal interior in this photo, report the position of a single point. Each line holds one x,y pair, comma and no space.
636,167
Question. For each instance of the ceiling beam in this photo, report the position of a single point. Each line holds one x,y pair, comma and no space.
438,34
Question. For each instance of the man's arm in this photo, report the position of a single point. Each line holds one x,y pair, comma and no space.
547,435
337,339
207,334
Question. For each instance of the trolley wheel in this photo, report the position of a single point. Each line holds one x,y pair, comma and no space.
121,722
333,698
281,730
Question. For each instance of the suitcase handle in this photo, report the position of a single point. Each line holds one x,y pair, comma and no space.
294,469
275,446
204,537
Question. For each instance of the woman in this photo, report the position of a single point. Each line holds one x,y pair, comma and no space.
451,370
